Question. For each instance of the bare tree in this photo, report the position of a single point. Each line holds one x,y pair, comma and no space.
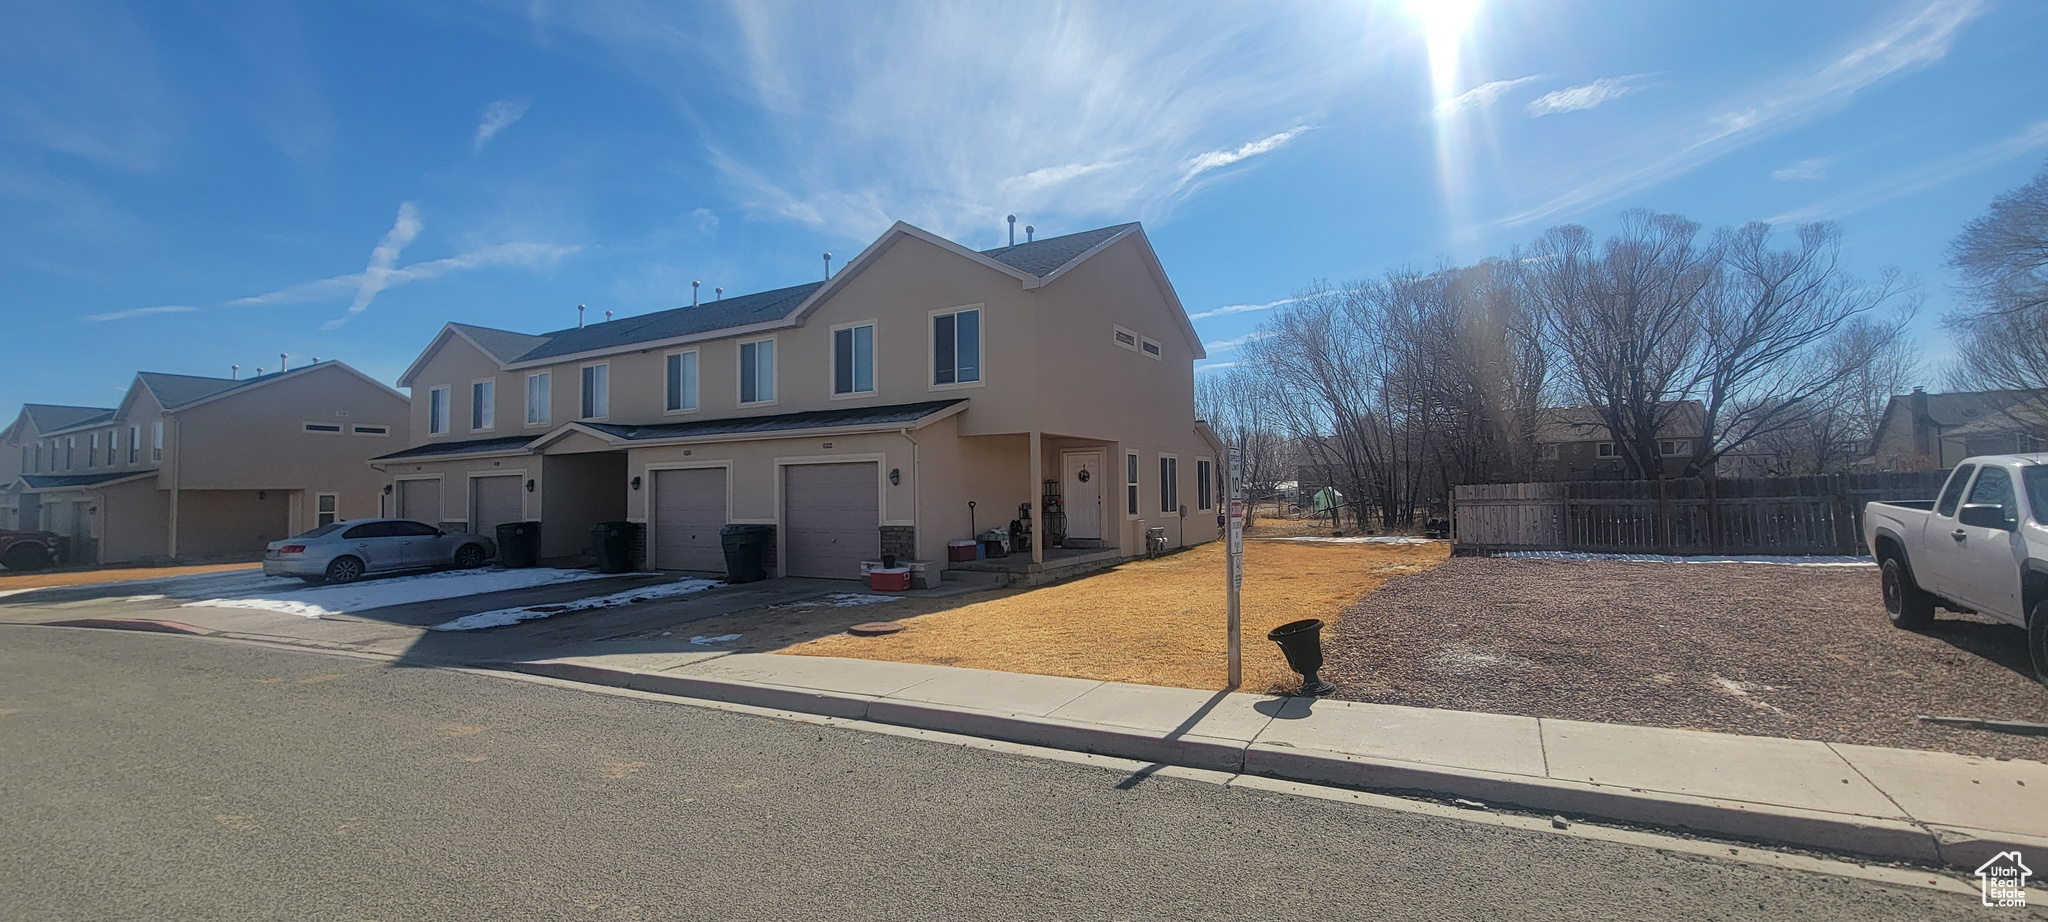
2001,339
1838,430
1236,405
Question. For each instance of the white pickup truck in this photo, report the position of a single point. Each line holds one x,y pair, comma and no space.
1981,546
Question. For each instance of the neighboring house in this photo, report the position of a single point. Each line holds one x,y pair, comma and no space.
858,416
1931,432
1572,443
190,467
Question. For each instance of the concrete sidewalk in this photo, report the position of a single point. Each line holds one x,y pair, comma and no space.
1886,803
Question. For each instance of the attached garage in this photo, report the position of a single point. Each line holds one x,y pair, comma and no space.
493,501
420,501
831,515
689,511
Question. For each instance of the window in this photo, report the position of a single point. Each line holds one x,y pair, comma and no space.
370,430
156,441
1674,448
2036,478
134,444
369,530
853,359
537,396
437,411
1994,488
483,405
757,372
92,451
597,391
682,382
1169,484
113,437
70,450
334,428
1604,450
26,451
1131,484
1125,338
1151,347
1549,451
1953,493
1204,484
956,347
324,506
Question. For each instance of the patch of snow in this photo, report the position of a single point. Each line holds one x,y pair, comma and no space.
142,598
293,597
1821,560
504,616
842,600
1360,539
703,641
219,583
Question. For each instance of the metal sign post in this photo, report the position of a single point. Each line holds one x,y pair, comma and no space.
1234,544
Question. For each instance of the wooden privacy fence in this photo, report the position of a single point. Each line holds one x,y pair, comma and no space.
1750,515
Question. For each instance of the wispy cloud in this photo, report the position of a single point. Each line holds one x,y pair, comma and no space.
377,275
1666,150
1809,169
497,117
1228,309
1231,344
1585,96
1481,96
1215,366
135,312
1217,159
2032,138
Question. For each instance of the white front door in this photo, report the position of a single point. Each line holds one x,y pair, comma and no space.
1082,493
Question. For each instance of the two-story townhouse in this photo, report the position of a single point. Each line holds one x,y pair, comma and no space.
1931,432
25,450
189,466
923,392
1573,443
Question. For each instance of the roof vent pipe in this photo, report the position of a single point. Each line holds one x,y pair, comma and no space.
1013,229
718,294
607,316
234,372
1028,229
281,357
828,267
693,292
579,316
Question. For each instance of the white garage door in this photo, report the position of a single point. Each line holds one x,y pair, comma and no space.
830,514
420,501
493,501
689,510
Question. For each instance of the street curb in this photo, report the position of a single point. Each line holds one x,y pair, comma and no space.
151,625
1874,837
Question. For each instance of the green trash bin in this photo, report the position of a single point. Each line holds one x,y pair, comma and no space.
612,544
746,551
518,544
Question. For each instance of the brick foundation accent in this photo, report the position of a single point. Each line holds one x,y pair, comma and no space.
769,561
900,540
639,551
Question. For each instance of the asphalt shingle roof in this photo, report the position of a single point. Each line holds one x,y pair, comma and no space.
1966,406
470,447
1583,424
50,417
42,481
1044,257
175,391
904,413
503,345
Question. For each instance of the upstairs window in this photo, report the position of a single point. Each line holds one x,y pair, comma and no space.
370,430
956,347
597,391
1605,450
327,428
1125,339
757,372
1169,484
92,451
437,411
483,405
682,382
1151,348
70,451
537,397
1675,448
156,441
113,446
853,359
134,444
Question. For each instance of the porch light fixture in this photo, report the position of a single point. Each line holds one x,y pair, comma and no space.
387,489
529,487
895,476
636,483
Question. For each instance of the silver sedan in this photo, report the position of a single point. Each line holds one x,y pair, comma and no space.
344,552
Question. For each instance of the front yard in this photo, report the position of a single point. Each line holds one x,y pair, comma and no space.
1775,650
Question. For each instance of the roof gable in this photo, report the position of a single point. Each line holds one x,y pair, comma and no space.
50,417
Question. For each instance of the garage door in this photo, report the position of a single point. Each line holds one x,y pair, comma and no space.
493,501
420,501
689,509
830,514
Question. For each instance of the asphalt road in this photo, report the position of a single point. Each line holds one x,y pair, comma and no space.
160,777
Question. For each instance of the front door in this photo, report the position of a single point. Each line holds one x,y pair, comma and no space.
1082,494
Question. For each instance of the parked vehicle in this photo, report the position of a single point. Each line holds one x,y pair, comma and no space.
344,552
27,550
1980,546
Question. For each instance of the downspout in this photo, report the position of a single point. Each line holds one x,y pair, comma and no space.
177,475
916,491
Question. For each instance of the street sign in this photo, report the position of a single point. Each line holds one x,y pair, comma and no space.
1234,552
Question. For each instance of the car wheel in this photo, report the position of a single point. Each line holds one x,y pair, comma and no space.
469,557
344,570
2037,639
1909,606
25,557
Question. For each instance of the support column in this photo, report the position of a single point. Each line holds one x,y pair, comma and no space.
1037,514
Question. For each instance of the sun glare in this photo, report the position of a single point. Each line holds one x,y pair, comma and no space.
1444,26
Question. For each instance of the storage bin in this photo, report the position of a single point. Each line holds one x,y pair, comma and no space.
889,579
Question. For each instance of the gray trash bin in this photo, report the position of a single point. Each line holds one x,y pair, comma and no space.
746,551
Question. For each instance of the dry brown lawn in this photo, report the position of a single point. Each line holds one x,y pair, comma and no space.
1152,622
38,579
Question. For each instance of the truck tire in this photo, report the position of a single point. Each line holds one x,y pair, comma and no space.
1910,607
2037,639
25,556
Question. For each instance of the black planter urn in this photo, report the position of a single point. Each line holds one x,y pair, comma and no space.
1302,643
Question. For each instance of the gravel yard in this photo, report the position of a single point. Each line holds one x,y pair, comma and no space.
1802,652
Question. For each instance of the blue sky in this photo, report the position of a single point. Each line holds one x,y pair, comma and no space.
183,188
